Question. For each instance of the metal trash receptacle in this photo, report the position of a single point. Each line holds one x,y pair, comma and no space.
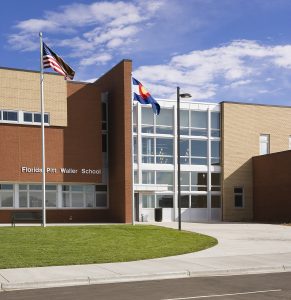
158,214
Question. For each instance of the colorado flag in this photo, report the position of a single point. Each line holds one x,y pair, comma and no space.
144,97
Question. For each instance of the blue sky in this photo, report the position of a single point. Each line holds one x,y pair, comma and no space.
226,50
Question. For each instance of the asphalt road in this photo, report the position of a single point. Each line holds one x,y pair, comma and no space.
264,286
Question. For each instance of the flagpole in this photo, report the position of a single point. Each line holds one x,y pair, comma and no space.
132,159
42,131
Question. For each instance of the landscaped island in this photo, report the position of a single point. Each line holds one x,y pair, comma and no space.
70,245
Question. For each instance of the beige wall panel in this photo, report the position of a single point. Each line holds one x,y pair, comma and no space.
20,90
242,125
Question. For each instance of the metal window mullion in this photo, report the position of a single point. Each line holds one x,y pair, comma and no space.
16,195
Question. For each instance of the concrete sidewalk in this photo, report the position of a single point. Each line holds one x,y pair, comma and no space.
243,249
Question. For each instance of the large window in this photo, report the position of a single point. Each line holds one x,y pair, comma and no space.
198,152
78,196
157,150
198,181
6,195
158,177
148,201
165,177
161,124
164,121
264,144
164,151
195,181
199,123
193,152
30,195
148,177
147,118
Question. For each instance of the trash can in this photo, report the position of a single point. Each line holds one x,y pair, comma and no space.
158,214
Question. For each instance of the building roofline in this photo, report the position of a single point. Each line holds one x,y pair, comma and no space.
254,104
187,101
123,60
25,70
46,73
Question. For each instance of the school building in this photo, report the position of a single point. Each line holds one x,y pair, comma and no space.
111,160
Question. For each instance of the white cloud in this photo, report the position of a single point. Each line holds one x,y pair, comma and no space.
96,59
89,29
239,68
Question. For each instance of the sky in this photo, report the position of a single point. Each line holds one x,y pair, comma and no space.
226,50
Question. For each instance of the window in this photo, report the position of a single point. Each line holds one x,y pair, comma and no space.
198,152
100,194
27,117
135,177
104,116
198,181
164,121
147,120
238,197
51,195
199,123
34,118
104,142
84,196
164,151
37,118
165,201
264,144
184,122
165,177
134,118
148,201
7,116
215,181
6,195
184,151
148,177
198,201
215,152
10,116
185,181
215,124
148,150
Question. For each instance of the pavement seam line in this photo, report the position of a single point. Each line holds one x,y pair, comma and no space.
4,277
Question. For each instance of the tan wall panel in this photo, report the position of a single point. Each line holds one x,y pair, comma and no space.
20,90
242,125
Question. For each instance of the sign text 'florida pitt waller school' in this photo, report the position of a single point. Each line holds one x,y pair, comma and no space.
34,170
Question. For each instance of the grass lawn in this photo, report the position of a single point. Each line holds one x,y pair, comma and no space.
55,246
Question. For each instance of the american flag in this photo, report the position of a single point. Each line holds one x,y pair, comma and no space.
52,60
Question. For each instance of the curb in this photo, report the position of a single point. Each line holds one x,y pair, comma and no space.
141,277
